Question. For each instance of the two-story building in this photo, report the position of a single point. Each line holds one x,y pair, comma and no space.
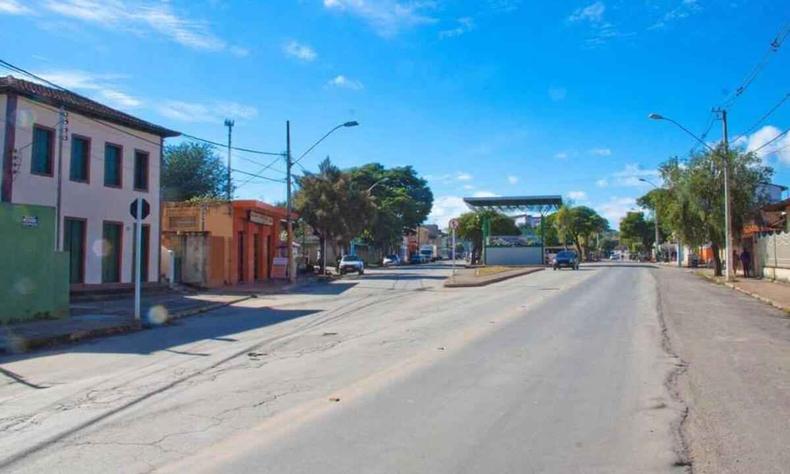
89,162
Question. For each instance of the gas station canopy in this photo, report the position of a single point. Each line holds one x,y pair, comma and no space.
508,204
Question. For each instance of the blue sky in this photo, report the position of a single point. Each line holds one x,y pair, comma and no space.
488,97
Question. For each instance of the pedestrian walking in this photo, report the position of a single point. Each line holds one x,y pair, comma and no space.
746,263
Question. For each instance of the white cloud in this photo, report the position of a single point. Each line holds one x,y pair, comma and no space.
577,195
615,209
592,13
343,82
13,7
484,194
631,174
451,178
445,208
601,151
602,183
512,179
214,112
557,93
100,87
779,148
387,17
561,155
300,51
465,25
684,9
463,176
592,16
136,16
468,187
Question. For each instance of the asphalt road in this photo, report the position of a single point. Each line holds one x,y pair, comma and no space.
552,372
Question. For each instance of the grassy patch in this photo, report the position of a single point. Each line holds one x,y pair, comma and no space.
492,270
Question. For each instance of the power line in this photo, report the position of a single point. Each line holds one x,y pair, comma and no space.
259,172
14,68
705,133
758,68
764,116
771,141
258,176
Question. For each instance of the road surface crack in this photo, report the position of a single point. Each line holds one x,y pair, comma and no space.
682,448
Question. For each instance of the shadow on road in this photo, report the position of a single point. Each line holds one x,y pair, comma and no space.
620,265
216,326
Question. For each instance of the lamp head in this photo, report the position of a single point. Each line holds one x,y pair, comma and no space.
655,116
229,122
352,123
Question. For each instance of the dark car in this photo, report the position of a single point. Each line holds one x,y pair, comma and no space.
415,259
567,259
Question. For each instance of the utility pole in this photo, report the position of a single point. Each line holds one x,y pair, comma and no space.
289,223
62,137
229,123
729,275
655,221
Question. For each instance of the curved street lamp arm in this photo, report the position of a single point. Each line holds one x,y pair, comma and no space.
690,133
316,143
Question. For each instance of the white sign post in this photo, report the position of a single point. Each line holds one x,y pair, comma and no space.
453,226
138,244
139,209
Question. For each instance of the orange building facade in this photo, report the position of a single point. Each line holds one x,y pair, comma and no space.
222,243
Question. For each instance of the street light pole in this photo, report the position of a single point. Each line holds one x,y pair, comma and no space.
229,123
655,217
289,223
730,275
289,162
729,264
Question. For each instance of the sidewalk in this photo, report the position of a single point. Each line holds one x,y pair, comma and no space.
471,277
91,319
774,293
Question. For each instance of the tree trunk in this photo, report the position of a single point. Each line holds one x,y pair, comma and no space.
716,259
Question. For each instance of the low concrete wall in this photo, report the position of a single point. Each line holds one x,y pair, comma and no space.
34,279
513,256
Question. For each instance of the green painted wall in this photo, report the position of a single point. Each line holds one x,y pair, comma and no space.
34,281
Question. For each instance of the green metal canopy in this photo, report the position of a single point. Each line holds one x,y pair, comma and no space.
508,204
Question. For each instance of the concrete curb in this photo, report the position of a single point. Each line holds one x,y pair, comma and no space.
494,279
757,296
11,344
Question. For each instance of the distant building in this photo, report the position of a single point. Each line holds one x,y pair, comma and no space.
219,243
109,158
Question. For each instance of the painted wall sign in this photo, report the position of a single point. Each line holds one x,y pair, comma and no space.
279,267
258,218
29,221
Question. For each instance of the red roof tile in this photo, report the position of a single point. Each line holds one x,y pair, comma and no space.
79,104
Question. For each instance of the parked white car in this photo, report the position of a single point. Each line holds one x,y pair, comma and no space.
391,260
351,263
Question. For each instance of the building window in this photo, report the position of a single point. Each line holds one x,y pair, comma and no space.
112,235
43,149
141,170
80,158
113,165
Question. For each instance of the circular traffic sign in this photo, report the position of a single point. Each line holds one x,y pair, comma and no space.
454,223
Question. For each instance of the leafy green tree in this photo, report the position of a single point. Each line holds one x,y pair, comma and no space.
692,205
579,225
333,205
470,227
636,232
193,170
401,199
